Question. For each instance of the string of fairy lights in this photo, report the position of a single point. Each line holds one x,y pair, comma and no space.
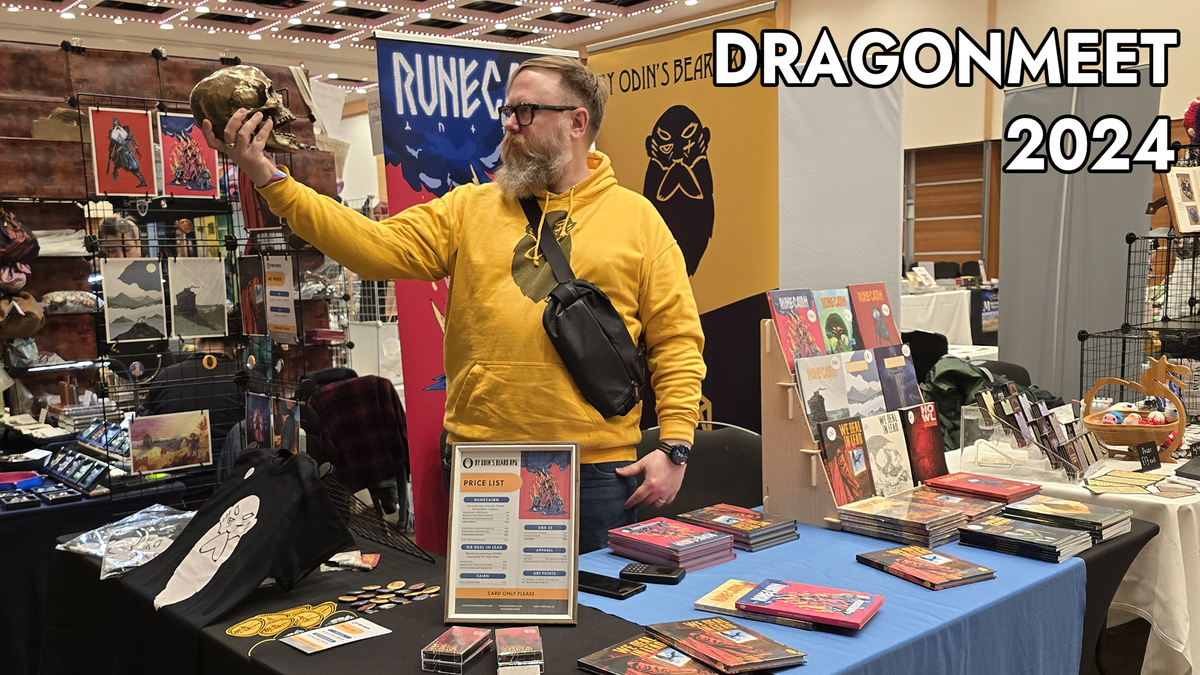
337,23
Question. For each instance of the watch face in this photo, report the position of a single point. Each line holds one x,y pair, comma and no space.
679,454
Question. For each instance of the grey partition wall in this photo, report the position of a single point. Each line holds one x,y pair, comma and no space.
1062,236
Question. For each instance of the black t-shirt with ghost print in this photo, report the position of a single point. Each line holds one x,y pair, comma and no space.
271,518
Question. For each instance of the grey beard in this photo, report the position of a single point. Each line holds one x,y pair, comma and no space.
522,175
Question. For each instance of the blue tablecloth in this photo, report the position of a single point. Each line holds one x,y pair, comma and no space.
1029,619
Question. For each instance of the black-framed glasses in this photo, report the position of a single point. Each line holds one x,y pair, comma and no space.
524,111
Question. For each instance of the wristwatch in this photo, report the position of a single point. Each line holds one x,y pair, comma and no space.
679,454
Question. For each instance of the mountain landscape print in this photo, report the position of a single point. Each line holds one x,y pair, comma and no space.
133,308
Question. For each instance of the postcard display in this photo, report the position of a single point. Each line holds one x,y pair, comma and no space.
513,542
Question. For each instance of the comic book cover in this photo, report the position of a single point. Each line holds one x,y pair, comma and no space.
837,320
723,600
738,521
1066,512
672,535
873,315
898,377
1024,532
823,387
818,604
971,507
928,568
926,449
987,487
846,460
642,654
864,392
726,646
884,437
901,512
796,323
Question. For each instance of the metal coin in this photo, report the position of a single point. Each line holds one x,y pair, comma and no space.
359,603
385,596
371,588
395,585
366,596
401,601
417,587
347,598
370,611
369,605
433,589
421,597
387,605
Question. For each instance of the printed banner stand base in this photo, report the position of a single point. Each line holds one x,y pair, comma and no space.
795,484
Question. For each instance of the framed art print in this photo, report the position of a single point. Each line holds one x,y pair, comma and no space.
122,152
513,538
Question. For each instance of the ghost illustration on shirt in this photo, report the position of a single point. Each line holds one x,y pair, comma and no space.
210,552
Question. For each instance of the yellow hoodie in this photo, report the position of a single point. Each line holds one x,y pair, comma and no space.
504,380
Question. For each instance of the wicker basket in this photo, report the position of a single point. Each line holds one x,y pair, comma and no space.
1153,383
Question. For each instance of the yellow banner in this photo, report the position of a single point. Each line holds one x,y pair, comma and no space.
705,156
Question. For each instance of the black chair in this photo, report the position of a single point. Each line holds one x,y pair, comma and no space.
945,269
971,269
1012,371
725,467
926,349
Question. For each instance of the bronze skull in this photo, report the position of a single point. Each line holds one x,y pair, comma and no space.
217,97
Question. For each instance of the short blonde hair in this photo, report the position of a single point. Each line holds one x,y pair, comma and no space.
586,88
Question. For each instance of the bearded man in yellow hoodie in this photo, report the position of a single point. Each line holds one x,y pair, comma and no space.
504,379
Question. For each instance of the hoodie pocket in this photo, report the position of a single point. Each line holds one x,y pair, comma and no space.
504,400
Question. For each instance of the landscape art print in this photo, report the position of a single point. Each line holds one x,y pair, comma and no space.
133,299
197,297
172,441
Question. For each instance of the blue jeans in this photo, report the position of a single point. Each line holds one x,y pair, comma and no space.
602,495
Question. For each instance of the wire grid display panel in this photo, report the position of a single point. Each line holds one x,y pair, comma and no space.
1125,354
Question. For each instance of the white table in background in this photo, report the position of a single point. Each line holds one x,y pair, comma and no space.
945,312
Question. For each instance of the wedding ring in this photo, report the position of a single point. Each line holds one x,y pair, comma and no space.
661,502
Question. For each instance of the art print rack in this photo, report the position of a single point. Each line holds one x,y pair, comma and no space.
795,483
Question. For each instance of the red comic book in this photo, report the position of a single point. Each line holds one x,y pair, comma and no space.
726,646
926,448
671,535
736,520
987,487
811,603
846,460
873,316
797,325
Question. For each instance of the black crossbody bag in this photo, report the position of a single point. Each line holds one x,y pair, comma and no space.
588,333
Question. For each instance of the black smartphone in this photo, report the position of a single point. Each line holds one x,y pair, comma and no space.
609,587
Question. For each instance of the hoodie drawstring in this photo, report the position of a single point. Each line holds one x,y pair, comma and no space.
537,235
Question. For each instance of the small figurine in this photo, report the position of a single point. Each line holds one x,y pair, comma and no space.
1132,418
1111,418
1156,418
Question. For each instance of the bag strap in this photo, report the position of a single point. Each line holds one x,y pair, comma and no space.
554,254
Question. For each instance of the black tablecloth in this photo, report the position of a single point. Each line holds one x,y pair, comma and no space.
81,626
27,538
1106,564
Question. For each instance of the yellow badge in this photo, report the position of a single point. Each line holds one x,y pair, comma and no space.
247,628
210,362
325,609
309,619
275,624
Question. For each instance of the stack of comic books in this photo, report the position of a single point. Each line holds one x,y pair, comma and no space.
455,650
642,654
726,646
831,606
984,487
723,600
901,520
663,541
973,508
1102,522
752,530
1023,538
930,569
